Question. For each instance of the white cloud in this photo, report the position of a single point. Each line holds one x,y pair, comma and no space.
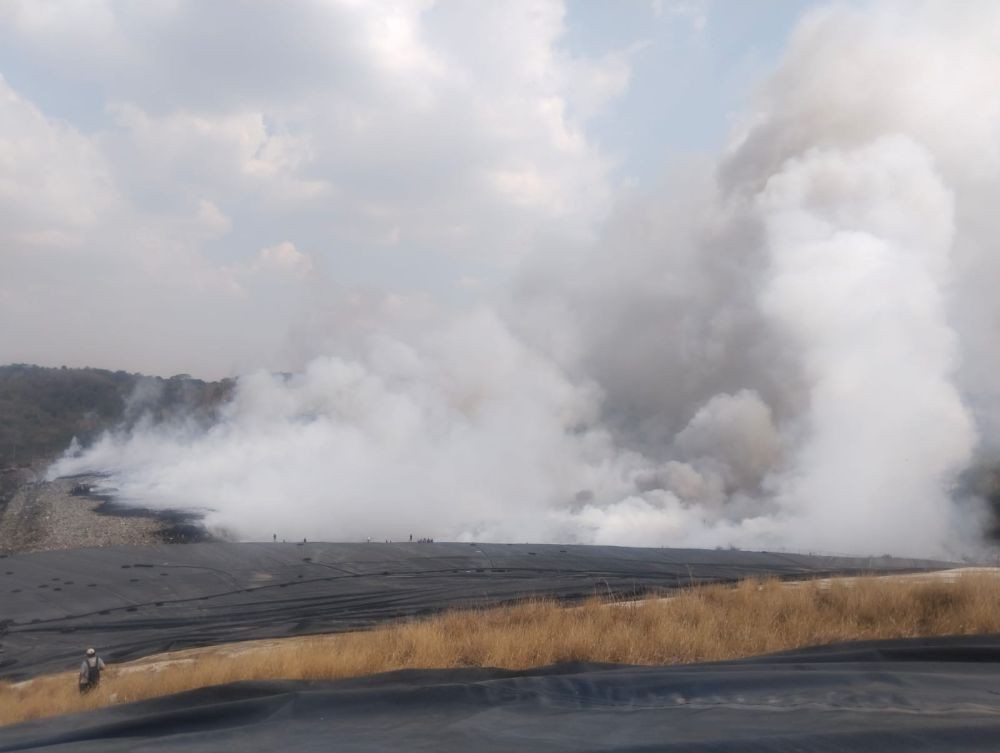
354,128
283,258
54,182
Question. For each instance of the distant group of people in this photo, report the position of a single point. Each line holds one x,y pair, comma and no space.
424,540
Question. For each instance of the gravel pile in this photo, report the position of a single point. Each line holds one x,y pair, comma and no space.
45,515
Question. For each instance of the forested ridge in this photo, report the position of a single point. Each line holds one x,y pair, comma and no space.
42,409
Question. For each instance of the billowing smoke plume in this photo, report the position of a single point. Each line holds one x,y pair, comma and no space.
794,347
859,241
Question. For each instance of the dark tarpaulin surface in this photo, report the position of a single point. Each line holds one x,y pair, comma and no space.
914,695
130,602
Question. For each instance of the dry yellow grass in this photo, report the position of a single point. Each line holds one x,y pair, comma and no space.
700,624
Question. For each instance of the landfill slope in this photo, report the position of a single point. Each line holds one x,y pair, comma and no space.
131,602
911,695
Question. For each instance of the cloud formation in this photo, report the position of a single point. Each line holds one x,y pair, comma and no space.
385,141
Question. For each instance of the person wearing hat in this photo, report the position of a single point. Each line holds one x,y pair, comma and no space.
90,671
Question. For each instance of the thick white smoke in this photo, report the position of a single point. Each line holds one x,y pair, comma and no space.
859,243
795,352
468,434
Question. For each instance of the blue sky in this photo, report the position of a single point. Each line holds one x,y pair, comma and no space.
697,65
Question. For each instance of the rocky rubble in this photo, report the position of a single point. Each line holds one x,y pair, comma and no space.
45,515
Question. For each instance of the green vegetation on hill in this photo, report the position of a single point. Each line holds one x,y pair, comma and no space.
42,409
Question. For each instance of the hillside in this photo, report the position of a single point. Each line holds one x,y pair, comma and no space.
42,409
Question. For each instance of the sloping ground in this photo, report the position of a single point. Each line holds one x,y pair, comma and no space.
75,513
46,515
719,622
135,601
908,695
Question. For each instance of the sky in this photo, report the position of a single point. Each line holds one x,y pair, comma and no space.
676,272
186,187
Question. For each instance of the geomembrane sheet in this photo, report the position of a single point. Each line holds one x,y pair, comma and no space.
130,602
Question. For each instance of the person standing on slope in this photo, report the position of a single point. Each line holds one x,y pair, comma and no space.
90,671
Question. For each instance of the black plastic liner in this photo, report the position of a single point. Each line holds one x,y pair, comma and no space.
130,602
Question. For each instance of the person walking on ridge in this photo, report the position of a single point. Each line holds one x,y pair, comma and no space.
90,671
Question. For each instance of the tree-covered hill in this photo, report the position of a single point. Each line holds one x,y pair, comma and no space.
42,409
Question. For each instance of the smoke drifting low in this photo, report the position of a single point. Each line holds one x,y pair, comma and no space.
793,347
